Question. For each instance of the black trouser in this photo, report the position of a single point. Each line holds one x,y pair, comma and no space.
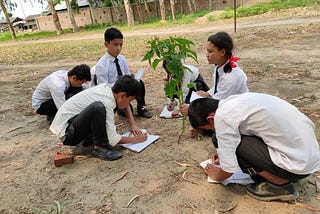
200,86
253,157
89,125
142,93
47,108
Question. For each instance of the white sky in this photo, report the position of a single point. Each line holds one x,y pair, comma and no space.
27,7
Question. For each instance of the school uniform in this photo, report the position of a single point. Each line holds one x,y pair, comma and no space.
226,84
261,132
77,116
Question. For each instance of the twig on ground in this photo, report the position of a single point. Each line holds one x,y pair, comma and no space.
229,209
184,164
184,177
307,207
122,176
136,196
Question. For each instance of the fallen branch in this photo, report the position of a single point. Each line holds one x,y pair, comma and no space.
183,164
136,196
307,207
229,209
184,177
122,176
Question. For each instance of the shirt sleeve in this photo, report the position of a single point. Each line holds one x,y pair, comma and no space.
57,93
112,135
229,137
186,79
102,73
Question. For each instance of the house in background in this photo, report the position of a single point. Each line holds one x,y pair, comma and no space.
17,24
31,22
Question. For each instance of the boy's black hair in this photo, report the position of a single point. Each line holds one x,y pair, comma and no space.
111,34
200,109
128,84
82,72
222,40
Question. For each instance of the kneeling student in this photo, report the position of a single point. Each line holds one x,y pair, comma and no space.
265,136
88,118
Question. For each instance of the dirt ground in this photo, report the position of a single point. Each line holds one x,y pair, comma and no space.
280,56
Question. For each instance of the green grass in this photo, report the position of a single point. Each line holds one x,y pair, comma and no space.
261,8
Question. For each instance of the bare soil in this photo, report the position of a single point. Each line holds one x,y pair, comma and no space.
280,55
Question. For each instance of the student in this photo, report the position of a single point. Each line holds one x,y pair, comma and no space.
113,65
265,136
190,75
228,78
56,88
88,118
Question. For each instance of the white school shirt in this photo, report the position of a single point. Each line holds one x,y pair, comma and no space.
288,133
187,78
231,83
51,87
106,69
80,101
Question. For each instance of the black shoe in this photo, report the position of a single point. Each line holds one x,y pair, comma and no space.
143,112
106,154
266,191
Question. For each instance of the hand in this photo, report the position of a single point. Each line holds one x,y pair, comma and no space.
175,113
135,130
215,159
203,93
184,109
212,171
139,138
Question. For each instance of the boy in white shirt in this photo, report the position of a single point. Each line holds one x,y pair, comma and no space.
57,87
265,136
88,118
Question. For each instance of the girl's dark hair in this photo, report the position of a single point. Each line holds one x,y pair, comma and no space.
82,72
200,109
222,40
127,84
111,34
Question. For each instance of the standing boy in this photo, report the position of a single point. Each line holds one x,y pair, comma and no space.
56,88
265,136
88,118
113,65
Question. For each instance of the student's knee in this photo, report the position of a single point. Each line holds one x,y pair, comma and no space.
97,107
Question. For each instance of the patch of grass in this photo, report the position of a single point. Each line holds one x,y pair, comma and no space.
6,36
261,8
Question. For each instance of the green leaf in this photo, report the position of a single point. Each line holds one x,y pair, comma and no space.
192,85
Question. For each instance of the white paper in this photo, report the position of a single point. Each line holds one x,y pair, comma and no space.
168,114
195,96
139,74
239,177
138,147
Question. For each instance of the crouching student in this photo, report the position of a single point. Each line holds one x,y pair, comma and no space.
57,87
88,118
265,136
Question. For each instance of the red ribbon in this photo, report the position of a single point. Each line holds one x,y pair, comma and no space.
232,61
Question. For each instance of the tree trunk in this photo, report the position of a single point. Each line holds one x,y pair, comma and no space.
71,16
210,5
92,13
139,12
190,6
116,11
55,17
173,10
129,13
194,3
147,8
162,10
5,12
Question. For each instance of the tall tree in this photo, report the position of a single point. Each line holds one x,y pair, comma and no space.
173,10
190,6
55,17
147,8
92,12
162,10
5,12
129,12
141,21
116,10
71,16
